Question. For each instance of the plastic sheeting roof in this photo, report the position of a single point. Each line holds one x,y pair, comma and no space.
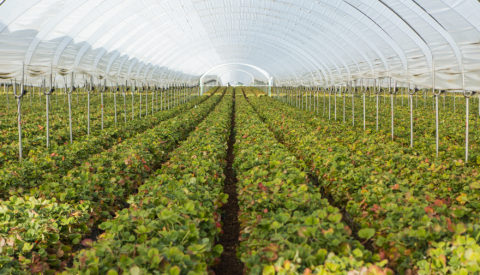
320,42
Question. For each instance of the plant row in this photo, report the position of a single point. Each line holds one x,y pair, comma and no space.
286,225
422,214
451,118
172,222
41,231
33,124
41,165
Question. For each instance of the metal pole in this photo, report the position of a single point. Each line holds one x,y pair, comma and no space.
324,102
19,119
69,95
335,102
88,105
467,111
47,99
411,114
391,106
140,103
329,104
353,88
364,119
344,107
377,92
101,98
133,101
146,101
436,123
466,129
125,89
115,103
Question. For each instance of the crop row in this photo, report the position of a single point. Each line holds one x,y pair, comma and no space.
452,109
172,222
17,178
43,230
286,224
423,214
33,123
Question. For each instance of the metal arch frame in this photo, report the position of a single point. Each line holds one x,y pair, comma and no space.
366,59
79,28
335,9
308,55
287,52
343,37
376,29
405,27
359,51
429,19
332,62
53,22
274,45
260,70
238,70
154,50
432,54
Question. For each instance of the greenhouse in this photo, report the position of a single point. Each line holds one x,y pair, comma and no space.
240,137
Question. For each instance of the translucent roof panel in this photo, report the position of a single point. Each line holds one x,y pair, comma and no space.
298,42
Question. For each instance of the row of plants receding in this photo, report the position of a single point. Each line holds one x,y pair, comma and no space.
287,227
420,214
42,230
171,224
50,165
451,120
33,122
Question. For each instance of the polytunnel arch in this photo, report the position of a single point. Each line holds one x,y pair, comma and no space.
223,67
372,21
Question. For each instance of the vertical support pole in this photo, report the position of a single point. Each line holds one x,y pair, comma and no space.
47,109
161,98
125,89
466,128
19,118
377,92
353,88
436,123
133,88
344,107
140,103
329,104
411,114
69,97
392,107
146,101
115,103
335,102
364,118
88,104
102,91
467,114
325,102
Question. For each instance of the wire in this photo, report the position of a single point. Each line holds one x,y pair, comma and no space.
2,1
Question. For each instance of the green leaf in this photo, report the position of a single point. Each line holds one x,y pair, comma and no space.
112,272
135,270
268,270
336,218
366,233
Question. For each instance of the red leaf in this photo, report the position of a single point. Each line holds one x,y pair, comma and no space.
87,242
